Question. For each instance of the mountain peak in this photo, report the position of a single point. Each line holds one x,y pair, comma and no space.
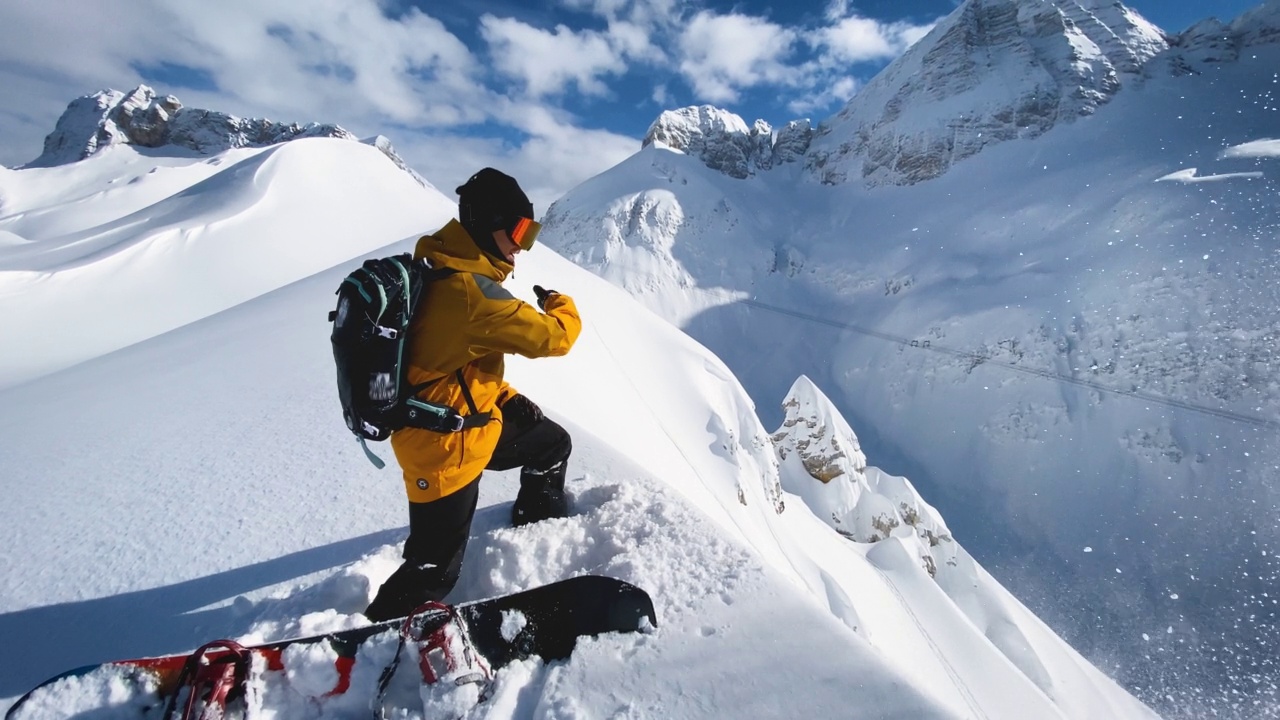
140,117
993,70
818,434
722,140
821,460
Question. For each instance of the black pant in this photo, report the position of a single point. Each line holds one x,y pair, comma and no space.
439,530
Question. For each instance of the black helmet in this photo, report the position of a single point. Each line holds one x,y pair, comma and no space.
491,200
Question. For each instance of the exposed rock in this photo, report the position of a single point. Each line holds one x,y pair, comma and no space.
110,117
792,142
821,460
723,141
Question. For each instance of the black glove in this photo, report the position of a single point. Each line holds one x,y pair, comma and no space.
543,294
520,411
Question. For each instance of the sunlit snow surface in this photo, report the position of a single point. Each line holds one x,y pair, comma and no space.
200,483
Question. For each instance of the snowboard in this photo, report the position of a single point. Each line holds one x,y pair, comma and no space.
545,622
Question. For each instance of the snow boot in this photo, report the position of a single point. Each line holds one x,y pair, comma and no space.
541,495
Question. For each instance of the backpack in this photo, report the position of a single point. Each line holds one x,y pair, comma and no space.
376,303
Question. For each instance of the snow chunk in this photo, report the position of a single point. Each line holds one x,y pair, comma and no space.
1255,149
513,622
1189,176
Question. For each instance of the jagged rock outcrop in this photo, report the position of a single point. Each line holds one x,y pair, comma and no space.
791,142
723,141
994,70
821,460
139,117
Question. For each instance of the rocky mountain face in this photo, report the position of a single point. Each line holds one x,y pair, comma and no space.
992,71
723,141
141,118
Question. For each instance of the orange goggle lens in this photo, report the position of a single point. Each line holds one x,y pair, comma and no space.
525,232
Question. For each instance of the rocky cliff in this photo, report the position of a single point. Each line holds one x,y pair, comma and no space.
140,117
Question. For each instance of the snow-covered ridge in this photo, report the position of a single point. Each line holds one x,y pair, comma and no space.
992,71
92,123
106,231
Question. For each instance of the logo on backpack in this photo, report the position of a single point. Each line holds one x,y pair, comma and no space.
382,388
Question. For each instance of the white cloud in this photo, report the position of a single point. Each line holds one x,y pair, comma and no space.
331,60
830,92
548,62
723,54
647,13
859,39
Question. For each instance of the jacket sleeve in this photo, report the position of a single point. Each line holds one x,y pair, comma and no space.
505,324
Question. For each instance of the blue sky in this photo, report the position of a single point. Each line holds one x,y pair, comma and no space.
553,91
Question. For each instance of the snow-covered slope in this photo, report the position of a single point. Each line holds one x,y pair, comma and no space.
130,243
1067,341
203,485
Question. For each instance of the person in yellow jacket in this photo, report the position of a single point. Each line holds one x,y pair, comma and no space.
465,325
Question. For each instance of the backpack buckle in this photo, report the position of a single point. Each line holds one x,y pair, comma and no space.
386,332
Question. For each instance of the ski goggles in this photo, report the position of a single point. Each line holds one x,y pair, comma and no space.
524,231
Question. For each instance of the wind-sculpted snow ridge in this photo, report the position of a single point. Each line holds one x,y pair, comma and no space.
992,71
145,243
902,535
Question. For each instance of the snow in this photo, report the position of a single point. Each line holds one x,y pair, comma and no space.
1255,149
1190,176
181,473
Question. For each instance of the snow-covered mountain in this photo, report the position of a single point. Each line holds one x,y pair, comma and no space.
723,141
1067,339
992,71
198,482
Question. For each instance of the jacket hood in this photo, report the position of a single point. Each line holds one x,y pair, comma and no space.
452,247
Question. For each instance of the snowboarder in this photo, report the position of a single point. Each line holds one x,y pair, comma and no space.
465,325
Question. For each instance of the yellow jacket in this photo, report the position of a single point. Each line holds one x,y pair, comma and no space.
467,320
